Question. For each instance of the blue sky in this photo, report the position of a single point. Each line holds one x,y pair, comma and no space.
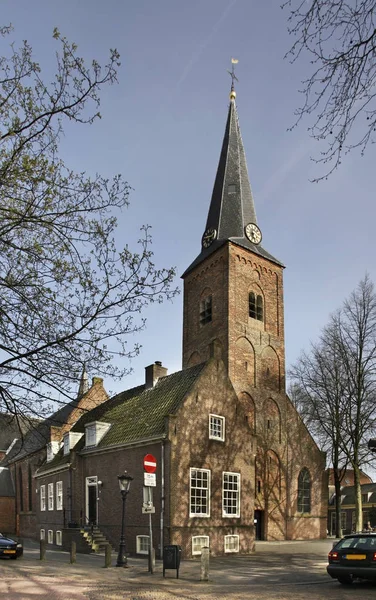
162,128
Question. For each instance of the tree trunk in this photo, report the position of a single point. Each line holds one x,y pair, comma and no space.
337,485
358,499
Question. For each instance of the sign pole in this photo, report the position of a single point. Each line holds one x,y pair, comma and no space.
150,466
150,546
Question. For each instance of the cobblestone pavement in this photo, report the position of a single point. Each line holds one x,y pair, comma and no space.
278,571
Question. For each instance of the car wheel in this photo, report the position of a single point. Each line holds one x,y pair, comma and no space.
345,580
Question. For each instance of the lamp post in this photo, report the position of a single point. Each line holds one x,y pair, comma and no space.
124,484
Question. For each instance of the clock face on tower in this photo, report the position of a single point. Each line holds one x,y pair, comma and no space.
253,233
209,237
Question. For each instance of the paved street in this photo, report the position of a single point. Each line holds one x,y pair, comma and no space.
278,571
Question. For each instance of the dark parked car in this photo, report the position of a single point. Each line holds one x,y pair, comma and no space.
10,548
353,557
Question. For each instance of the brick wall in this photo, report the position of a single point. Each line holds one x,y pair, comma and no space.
209,278
106,466
23,472
254,354
7,515
191,447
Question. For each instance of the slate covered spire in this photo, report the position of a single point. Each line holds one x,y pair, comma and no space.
84,383
232,206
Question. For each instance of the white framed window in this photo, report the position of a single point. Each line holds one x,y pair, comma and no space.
42,534
59,495
94,432
50,536
231,494
198,543
216,428
42,493
59,538
199,493
66,444
91,436
231,543
142,544
50,496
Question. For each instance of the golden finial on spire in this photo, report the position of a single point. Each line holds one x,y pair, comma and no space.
234,61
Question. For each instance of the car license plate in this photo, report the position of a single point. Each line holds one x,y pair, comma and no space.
9,552
355,557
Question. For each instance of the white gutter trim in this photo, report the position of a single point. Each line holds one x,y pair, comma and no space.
53,470
135,444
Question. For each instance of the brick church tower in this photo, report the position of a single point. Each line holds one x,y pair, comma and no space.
233,290
233,310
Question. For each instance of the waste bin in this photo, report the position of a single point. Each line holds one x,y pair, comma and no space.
171,558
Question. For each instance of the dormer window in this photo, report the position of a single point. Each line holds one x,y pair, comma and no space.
91,437
70,440
52,450
256,310
94,432
206,310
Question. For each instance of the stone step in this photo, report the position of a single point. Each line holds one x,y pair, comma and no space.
95,538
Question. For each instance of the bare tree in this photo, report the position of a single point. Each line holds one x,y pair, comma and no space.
354,338
318,394
335,387
68,293
339,37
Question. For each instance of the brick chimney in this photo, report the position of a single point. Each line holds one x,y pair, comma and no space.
153,373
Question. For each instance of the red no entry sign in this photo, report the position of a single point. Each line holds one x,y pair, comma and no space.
150,463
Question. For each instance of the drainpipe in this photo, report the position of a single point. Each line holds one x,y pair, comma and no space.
70,518
162,499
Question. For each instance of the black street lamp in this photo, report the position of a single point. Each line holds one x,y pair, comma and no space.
124,484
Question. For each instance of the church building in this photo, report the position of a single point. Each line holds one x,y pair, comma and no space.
235,463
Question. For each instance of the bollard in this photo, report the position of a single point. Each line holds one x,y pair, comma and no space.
151,560
42,549
107,556
73,552
204,564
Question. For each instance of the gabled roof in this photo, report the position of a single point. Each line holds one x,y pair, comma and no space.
348,494
347,477
12,427
232,206
39,436
142,414
136,414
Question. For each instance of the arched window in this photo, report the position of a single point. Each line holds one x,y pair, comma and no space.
304,491
256,310
206,306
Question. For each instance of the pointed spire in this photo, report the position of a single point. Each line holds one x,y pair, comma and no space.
84,383
231,206
232,213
